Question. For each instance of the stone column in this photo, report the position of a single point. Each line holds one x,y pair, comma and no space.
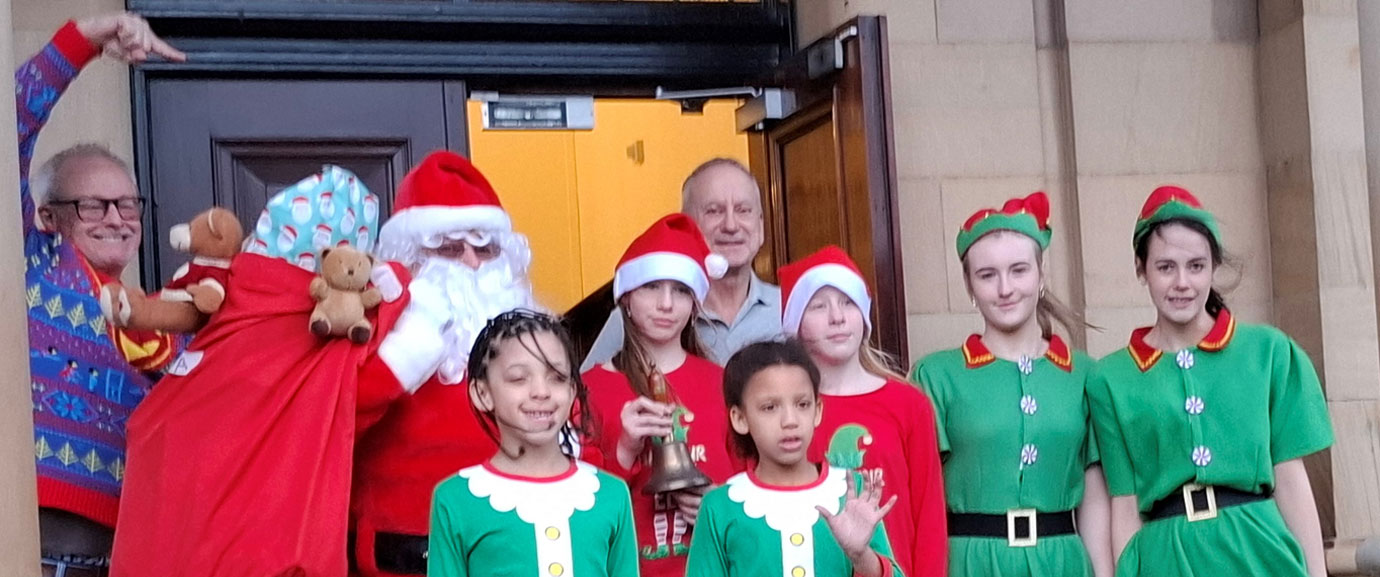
1312,120
18,500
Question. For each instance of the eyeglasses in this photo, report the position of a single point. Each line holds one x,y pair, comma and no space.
455,250
95,209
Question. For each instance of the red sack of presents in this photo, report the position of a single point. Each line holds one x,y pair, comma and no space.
240,458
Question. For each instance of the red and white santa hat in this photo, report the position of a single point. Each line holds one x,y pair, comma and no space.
444,195
800,280
672,249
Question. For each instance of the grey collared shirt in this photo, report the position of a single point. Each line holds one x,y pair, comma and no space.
759,319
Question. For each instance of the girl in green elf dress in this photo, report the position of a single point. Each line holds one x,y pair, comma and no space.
1202,420
531,509
1014,428
786,515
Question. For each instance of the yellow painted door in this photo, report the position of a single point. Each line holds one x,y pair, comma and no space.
620,197
534,174
580,197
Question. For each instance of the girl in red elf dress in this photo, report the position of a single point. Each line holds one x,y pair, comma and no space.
660,284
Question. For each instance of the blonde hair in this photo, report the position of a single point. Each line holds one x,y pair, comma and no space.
879,362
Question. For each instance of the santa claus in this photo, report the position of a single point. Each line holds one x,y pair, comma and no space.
467,265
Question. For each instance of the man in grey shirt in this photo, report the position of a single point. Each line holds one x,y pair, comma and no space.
723,198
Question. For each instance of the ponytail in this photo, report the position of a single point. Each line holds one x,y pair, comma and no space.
1050,310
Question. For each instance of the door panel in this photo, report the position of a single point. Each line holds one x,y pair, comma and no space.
828,170
810,199
235,143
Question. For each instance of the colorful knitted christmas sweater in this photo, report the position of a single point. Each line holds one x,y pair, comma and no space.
86,377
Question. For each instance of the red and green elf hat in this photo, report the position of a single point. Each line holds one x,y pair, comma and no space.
1170,202
1028,216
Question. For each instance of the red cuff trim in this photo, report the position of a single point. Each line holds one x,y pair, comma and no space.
73,46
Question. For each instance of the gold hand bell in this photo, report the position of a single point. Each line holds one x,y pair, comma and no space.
672,467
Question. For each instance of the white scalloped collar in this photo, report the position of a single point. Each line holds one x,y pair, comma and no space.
788,508
536,499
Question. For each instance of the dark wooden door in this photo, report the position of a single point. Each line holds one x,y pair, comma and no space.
235,143
828,170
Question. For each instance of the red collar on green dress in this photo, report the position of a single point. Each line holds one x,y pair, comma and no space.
975,354
1217,339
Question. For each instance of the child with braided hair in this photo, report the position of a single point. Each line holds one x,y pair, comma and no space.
532,508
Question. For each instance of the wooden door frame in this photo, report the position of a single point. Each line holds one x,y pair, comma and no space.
866,141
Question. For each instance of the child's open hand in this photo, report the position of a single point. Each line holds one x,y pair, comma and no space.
855,523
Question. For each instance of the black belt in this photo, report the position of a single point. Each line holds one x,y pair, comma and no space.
1206,500
400,554
1020,527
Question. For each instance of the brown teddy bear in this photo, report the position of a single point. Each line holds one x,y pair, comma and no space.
342,294
196,291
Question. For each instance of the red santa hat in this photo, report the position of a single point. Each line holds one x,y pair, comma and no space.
442,195
672,249
800,280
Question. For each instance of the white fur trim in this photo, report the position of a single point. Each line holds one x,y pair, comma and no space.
412,350
419,222
834,275
175,296
660,266
212,262
386,281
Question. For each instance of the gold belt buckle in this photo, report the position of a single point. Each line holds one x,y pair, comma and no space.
1028,515
1193,514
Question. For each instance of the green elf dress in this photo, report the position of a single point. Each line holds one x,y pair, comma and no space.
577,524
1221,414
1014,436
747,528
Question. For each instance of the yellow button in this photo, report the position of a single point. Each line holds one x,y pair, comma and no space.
556,570
798,572
553,533
797,539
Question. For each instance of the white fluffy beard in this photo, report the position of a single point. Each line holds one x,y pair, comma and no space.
475,296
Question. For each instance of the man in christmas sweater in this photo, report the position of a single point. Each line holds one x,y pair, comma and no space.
450,231
81,222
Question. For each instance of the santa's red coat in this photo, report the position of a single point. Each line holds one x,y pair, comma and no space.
240,461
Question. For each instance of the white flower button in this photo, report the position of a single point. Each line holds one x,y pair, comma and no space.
1202,456
1194,405
1028,405
1184,359
1025,364
1028,455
